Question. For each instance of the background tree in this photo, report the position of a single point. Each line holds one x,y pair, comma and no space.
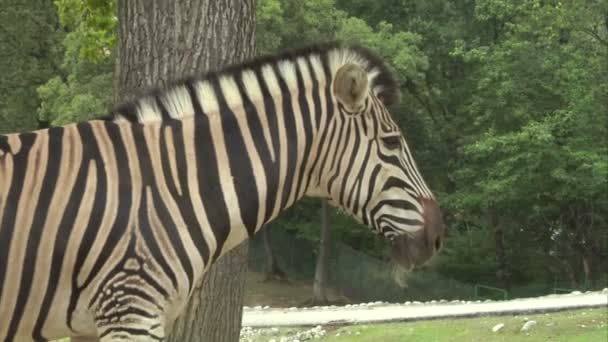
504,104
82,85
321,280
539,132
29,35
273,269
162,40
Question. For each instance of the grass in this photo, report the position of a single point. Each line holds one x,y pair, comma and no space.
586,325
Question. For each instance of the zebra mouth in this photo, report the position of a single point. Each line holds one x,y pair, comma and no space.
398,249
411,251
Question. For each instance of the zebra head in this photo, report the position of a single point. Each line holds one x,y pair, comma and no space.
373,175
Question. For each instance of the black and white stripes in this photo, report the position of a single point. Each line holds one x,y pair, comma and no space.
106,226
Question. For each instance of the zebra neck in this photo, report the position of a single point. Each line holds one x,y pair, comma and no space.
255,139
261,154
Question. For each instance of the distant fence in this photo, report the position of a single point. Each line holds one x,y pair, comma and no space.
479,290
357,275
362,278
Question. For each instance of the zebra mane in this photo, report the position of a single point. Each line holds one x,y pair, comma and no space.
382,79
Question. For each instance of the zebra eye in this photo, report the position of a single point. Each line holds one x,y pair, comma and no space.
392,142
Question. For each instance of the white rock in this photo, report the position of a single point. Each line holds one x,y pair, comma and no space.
274,329
266,307
272,340
576,292
259,307
498,327
528,325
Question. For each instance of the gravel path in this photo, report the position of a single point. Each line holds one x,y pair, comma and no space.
384,312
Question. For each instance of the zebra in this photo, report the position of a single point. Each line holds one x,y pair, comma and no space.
107,225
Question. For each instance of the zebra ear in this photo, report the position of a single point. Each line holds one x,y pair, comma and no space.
351,85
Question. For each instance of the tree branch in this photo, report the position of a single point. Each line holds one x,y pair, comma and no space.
411,87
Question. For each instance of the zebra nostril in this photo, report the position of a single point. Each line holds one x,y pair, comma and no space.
433,225
438,242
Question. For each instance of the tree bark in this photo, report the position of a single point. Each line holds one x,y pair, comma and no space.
322,268
163,40
215,310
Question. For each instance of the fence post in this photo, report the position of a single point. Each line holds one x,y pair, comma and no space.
491,288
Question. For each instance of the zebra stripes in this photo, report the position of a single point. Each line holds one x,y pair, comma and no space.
106,226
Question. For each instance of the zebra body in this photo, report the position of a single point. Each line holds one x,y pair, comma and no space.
107,226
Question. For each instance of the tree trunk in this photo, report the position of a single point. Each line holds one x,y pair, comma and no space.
162,40
571,274
273,271
587,272
502,272
215,310
322,267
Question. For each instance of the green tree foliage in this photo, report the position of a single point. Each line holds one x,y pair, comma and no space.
95,22
512,110
288,23
29,33
537,149
83,86
504,103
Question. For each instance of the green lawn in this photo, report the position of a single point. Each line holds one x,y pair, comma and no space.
586,325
